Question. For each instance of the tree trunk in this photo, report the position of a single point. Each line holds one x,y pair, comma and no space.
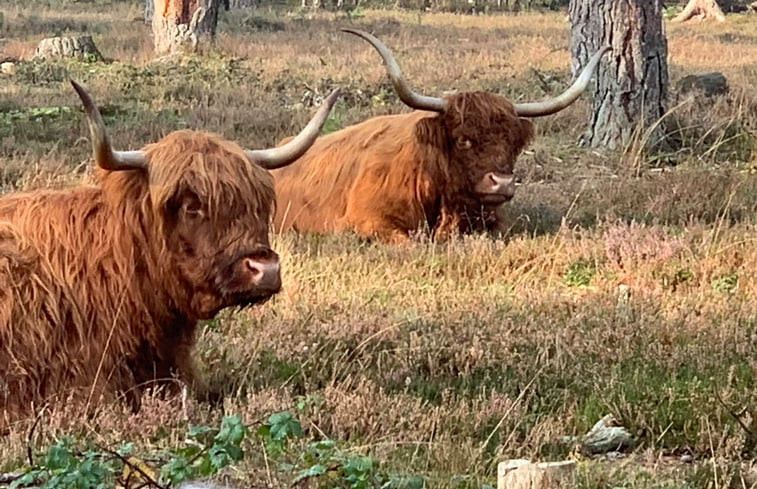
178,24
631,87
701,10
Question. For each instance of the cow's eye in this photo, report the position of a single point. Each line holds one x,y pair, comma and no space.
464,143
193,207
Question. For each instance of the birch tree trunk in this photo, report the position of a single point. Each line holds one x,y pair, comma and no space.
181,24
631,89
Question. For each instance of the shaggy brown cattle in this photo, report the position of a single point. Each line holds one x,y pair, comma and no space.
447,166
101,287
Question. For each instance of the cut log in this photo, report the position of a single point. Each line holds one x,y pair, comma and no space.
7,68
79,47
701,10
522,474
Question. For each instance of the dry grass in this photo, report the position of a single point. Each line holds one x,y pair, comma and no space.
416,354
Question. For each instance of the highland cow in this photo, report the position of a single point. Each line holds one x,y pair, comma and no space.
101,287
446,167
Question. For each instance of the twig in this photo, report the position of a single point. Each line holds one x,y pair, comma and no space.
509,410
149,480
735,416
29,436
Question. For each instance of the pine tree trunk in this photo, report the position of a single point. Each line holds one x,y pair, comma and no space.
180,24
631,87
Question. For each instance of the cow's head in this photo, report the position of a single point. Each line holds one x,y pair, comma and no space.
200,206
484,133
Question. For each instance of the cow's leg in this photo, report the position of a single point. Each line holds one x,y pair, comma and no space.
185,368
386,231
498,226
386,218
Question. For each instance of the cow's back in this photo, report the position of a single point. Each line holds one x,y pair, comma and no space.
318,193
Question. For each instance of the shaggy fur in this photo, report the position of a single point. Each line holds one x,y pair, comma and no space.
391,175
101,287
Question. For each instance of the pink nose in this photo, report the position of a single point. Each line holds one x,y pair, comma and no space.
264,275
501,184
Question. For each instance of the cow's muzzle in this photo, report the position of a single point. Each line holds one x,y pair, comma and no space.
264,273
496,188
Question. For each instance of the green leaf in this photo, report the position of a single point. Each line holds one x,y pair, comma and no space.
196,432
176,471
283,425
232,430
205,468
313,471
126,449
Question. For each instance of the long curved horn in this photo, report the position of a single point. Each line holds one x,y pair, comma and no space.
405,93
105,157
273,158
547,107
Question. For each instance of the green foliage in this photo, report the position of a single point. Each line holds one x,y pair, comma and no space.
212,451
580,273
334,122
278,430
206,452
34,114
726,284
64,468
322,462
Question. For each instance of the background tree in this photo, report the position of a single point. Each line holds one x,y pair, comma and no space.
632,82
177,24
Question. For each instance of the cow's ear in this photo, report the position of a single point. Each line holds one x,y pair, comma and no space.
526,131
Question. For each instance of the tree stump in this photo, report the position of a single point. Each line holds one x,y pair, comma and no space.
79,47
522,474
632,83
753,6
178,24
700,10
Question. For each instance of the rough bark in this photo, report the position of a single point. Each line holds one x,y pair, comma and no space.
79,47
181,24
631,88
700,10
